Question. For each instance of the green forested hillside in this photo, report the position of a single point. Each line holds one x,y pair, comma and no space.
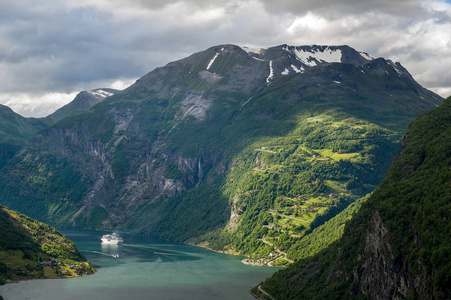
398,245
26,245
284,188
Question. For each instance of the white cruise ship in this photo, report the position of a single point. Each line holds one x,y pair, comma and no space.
111,239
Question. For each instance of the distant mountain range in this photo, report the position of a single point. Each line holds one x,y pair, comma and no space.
248,151
15,131
82,103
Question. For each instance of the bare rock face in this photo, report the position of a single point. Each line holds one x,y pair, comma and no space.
194,105
383,272
146,184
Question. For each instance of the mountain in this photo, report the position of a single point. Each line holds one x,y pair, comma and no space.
398,245
28,249
15,131
82,103
241,150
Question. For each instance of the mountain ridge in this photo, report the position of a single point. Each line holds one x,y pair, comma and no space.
15,131
216,127
81,103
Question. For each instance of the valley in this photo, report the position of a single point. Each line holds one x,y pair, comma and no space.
266,154
144,267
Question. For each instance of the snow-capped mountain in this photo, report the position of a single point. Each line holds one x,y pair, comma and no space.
81,103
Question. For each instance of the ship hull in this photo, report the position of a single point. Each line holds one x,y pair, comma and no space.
111,239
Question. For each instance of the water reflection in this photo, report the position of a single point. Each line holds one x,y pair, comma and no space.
110,249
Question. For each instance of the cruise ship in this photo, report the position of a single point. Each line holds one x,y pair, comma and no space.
111,239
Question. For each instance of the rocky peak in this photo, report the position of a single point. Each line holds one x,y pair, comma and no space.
312,55
82,103
249,70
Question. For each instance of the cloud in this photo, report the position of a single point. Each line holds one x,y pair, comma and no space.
308,22
62,47
28,106
335,9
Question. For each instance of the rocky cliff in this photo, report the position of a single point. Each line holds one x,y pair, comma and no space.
383,271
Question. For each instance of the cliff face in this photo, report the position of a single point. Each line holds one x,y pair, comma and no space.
101,170
383,271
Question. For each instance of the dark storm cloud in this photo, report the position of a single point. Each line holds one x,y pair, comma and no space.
75,47
337,8
61,47
399,7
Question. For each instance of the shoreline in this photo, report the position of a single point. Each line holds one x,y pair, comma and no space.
244,261
208,248
50,273
44,278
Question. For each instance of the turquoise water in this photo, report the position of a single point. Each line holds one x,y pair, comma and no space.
145,268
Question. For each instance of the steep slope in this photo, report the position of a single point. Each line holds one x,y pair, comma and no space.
28,247
15,131
398,245
82,103
246,150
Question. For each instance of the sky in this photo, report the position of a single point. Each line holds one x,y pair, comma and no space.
52,49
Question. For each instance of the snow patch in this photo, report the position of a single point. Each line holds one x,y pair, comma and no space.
296,69
253,50
337,82
212,61
285,72
390,62
100,93
362,71
259,59
271,72
311,57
